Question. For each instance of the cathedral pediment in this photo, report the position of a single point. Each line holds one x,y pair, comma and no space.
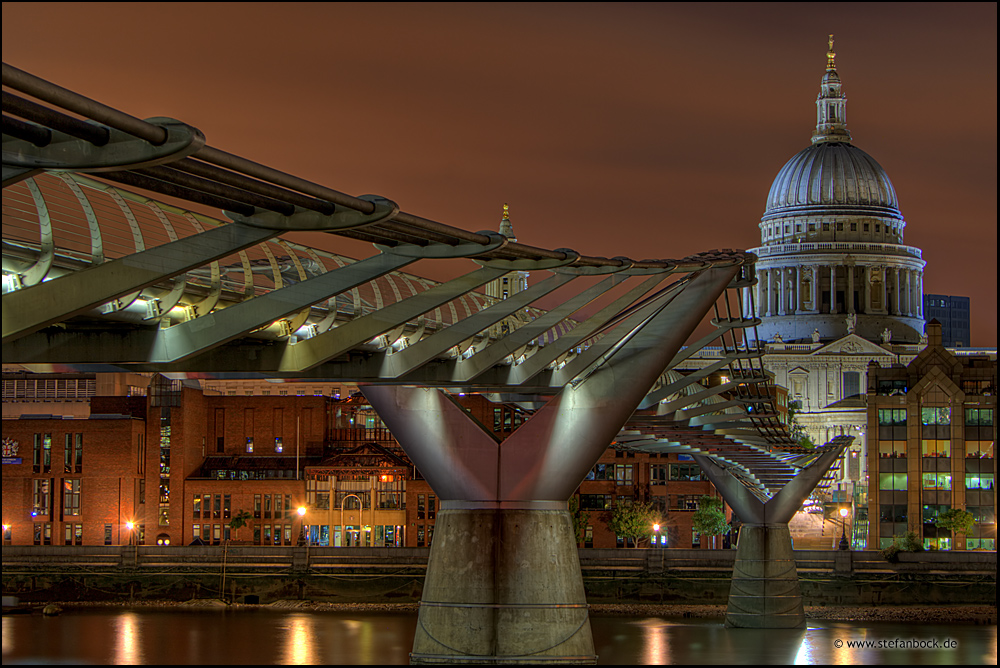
852,344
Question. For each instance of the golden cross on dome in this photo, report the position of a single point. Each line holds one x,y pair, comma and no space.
830,55
506,214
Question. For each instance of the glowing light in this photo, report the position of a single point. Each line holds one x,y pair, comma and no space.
301,511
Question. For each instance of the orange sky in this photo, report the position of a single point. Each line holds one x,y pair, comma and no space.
637,130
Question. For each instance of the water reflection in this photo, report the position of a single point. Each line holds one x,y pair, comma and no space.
299,649
128,648
262,636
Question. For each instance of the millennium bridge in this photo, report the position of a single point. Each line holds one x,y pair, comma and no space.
100,276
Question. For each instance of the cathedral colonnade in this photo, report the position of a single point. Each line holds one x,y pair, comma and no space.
804,288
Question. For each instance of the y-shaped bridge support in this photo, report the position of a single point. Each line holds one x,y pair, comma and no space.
503,581
765,593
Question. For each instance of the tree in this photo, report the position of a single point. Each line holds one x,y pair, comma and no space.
240,519
633,520
579,519
955,520
796,430
709,519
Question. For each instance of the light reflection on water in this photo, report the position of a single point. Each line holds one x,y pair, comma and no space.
179,636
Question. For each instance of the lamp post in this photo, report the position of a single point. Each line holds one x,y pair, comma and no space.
302,525
843,528
130,526
656,533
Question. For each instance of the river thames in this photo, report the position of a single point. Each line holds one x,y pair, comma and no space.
262,636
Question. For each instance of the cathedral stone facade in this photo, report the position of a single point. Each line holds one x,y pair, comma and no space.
832,260
837,288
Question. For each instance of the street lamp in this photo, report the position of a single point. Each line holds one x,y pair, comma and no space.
302,525
656,532
843,528
129,526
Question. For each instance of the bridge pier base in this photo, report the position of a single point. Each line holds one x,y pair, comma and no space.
503,586
765,590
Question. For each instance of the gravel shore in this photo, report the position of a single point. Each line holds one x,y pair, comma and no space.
920,614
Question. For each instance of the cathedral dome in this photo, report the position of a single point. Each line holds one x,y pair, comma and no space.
831,175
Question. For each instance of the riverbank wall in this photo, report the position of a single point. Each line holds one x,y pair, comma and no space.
250,574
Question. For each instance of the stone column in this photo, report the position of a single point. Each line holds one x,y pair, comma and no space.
849,295
833,289
764,292
895,296
866,278
797,296
920,294
782,291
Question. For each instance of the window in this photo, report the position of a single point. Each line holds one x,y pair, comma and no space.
979,449
892,513
892,448
43,533
278,447
980,417
601,472
196,507
256,507
41,456
71,497
595,502
41,498
686,472
657,474
852,383
685,502
107,534
935,415
892,481
935,448
249,444
979,481
892,416
68,455
217,506
623,474
936,480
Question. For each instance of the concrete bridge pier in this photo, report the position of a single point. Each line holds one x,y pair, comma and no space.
503,585
765,586
765,593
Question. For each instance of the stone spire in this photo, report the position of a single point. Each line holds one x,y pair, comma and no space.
831,105
506,228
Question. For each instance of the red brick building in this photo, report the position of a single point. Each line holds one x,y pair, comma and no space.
180,464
